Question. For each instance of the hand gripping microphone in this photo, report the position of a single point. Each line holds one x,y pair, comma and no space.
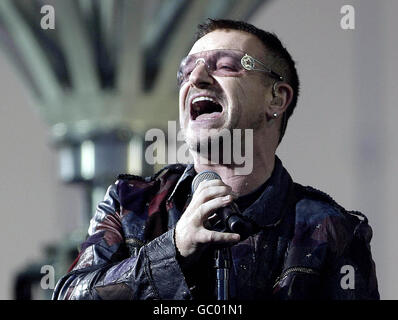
227,219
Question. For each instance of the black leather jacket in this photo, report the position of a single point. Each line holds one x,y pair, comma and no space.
304,248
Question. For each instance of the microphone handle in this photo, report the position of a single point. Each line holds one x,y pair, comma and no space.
235,222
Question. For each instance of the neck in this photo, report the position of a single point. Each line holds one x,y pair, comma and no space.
263,165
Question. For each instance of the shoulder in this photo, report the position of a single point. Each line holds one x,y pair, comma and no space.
314,206
167,171
134,193
132,190
327,238
319,217
171,171
133,197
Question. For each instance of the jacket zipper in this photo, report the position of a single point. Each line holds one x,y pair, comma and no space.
284,275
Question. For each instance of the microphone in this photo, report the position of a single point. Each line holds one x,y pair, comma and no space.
228,218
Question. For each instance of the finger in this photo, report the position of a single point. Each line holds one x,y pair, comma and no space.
207,236
208,183
210,207
208,194
214,192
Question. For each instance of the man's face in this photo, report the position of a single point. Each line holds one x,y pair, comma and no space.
241,100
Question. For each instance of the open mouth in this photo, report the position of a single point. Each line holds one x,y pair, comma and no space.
204,106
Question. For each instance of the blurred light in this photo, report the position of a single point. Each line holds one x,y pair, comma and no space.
59,130
135,156
67,167
87,159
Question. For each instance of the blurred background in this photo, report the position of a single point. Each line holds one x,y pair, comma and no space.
77,100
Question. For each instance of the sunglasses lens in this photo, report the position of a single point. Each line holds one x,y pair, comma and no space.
228,64
222,63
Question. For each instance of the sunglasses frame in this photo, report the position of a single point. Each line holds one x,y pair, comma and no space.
247,61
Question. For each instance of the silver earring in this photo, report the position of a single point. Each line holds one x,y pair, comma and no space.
275,115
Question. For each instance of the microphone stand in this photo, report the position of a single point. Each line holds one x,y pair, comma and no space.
222,259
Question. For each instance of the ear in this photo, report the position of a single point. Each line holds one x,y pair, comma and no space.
282,95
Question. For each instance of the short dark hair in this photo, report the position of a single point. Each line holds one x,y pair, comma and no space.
282,61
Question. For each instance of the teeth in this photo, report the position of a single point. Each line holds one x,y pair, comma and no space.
203,99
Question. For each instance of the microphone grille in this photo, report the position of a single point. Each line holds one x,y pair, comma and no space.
204,175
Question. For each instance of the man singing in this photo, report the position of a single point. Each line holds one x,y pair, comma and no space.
151,238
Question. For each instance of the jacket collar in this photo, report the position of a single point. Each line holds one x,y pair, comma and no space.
267,209
189,173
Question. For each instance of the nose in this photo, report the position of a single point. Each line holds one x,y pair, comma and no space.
200,76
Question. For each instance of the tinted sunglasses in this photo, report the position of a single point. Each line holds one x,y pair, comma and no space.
222,63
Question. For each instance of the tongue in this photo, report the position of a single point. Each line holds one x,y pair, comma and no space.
206,109
208,115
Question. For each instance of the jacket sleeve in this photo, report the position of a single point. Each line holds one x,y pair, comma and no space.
352,274
105,269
